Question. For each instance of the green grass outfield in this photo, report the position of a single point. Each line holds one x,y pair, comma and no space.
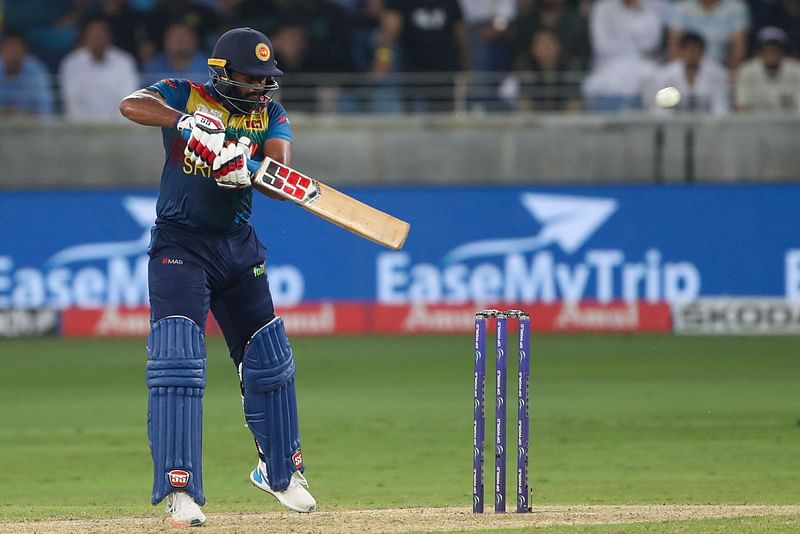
386,423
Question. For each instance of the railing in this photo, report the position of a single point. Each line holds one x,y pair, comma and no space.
402,92
558,91
398,93
434,92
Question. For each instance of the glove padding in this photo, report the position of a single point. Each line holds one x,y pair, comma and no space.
230,167
206,139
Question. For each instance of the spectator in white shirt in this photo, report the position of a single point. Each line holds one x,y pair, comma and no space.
626,28
701,81
626,36
96,76
770,81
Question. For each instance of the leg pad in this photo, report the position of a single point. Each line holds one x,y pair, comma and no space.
176,379
270,403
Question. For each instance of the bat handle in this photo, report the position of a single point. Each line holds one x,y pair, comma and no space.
252,165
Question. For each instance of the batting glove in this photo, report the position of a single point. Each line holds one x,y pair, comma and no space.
230,167
206,139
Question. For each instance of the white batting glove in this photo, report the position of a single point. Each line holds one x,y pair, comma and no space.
230,167
206,139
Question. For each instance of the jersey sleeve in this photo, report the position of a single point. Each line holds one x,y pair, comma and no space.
175,92
279,127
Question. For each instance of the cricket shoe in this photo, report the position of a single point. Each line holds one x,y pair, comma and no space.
184,511
295,497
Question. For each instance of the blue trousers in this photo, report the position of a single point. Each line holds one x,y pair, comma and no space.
191,272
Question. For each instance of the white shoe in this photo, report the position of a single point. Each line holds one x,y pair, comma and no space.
295,497
184,511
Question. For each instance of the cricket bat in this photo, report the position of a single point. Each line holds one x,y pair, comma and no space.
326,202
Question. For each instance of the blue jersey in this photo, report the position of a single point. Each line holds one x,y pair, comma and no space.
189,194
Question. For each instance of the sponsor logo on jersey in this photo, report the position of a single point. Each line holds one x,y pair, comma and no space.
297,459
258,270
172,261
178,478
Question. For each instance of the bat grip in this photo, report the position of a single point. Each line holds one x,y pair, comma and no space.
252,165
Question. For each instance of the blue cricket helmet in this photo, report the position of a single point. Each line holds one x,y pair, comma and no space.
249,52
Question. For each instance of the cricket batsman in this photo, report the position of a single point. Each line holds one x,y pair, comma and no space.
205,255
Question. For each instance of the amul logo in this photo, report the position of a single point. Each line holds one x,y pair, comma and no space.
178,478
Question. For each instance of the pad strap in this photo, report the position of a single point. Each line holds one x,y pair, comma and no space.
270,403
176,379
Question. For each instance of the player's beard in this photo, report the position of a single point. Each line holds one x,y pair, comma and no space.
240,102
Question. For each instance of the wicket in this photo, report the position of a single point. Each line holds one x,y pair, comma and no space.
478,423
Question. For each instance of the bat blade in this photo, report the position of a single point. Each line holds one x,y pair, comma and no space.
324,201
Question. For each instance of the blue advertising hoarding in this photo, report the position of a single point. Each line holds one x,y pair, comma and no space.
519,244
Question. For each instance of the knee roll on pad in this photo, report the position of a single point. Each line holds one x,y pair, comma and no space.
176,379
270,403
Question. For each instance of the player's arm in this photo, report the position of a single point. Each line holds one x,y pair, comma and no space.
281,151
206,132
149,108
278,149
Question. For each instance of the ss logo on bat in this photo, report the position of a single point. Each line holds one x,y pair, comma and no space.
290,182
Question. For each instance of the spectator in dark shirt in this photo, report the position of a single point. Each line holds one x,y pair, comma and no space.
568,20
291,45
544,79
430,36
327,27
783,14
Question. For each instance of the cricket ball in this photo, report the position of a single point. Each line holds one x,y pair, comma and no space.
668,97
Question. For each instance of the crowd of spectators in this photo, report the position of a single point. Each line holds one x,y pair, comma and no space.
80,57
